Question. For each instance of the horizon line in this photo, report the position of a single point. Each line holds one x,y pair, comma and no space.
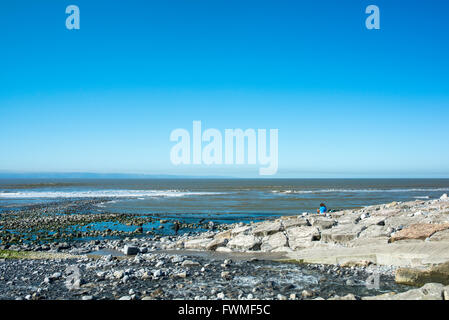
99,175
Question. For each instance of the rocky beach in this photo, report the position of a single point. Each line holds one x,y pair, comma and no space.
398,250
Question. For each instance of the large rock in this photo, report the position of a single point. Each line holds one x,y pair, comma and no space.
419,231
199,244
294,222
214,244
322,223
274,241
430,291
375,231
302,237
223,235
244,242
190,263
349,218
267,228
387,212
372,220
391,205
130,250
239,230
342,233
417,277
440,236
349,296
402,220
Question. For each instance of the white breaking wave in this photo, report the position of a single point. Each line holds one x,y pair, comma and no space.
102,194
359,190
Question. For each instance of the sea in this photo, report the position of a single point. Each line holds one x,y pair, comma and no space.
220,200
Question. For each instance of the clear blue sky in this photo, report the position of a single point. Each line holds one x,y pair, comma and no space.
347,101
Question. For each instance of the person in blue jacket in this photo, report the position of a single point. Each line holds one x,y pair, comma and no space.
322,209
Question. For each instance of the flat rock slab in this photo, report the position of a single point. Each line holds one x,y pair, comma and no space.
216,243
375,231
244,242
239,230
419,231
294,222
341,233
267,228
223,235
197,243
417,277
401,254
274,241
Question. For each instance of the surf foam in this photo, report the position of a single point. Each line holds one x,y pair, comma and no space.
103,194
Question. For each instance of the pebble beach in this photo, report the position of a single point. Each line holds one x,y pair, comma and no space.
307,256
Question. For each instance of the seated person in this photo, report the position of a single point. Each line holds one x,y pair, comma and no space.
322,209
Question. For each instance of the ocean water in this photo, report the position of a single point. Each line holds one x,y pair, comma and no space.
223,200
